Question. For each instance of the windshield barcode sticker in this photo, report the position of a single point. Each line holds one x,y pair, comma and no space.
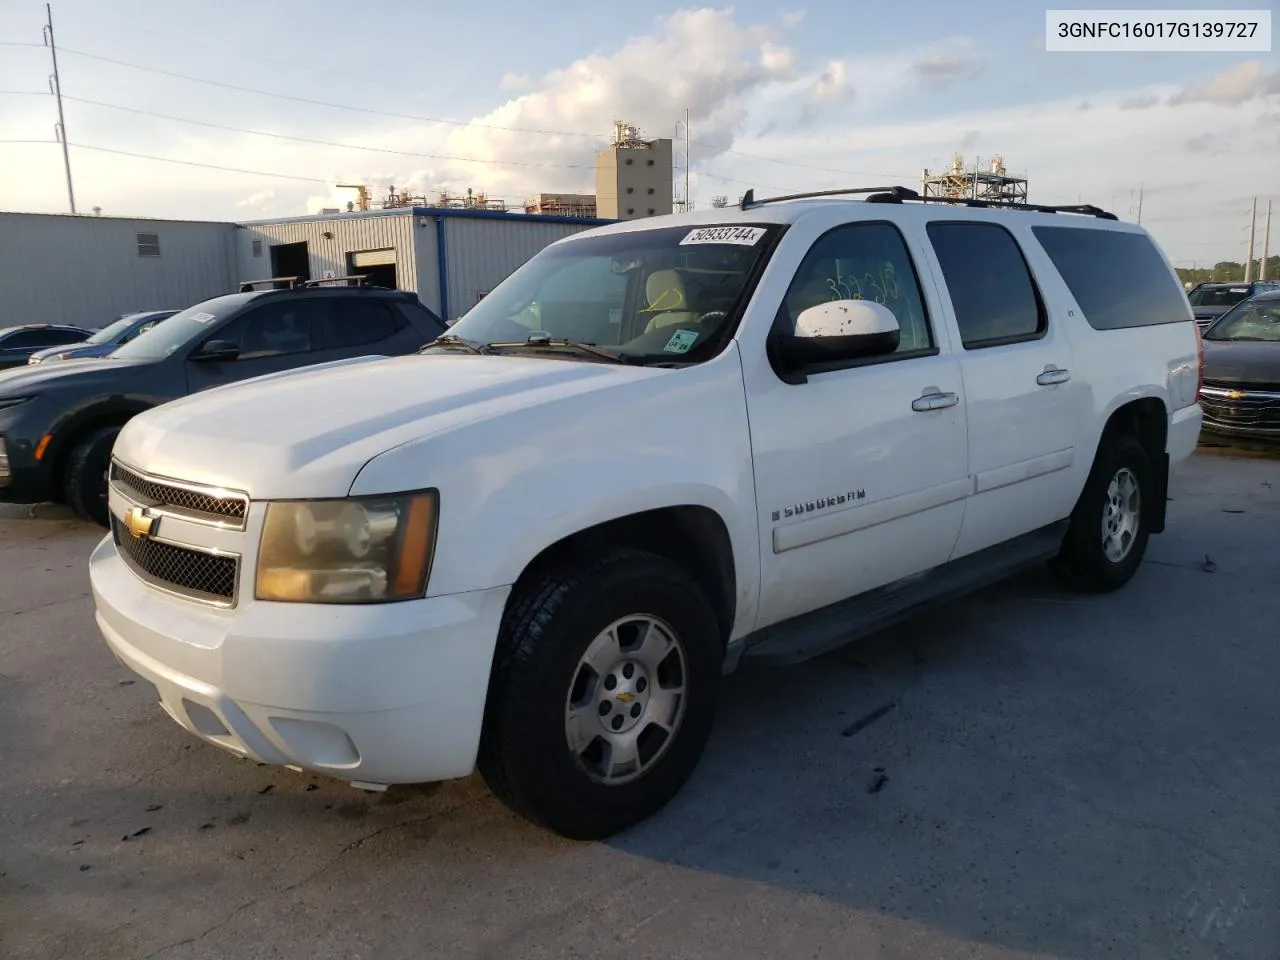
743,236
202,317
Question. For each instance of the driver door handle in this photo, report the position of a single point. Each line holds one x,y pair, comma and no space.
1053,375
933,399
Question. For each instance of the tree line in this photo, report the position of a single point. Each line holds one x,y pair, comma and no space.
1227,271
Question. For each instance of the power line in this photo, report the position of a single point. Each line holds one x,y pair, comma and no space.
326,103
445,121
326,143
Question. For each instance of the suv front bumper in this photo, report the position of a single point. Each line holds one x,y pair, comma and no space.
376,694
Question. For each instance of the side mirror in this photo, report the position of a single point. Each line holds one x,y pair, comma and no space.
216,351
840,330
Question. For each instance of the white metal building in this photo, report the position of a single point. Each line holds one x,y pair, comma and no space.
450,257
58,268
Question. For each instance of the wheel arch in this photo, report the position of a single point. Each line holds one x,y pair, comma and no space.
695,537
1146,418
74,428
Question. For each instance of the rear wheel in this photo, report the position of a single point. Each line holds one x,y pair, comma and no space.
603,694
1112,520
85,483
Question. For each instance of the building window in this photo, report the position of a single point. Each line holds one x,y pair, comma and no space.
257,248
651,191
651,211
631,189
630,210
627,161
651,163
148,244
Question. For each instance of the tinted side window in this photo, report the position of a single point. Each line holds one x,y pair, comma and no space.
991,289
275,329
419,316
357,322
1118,279
862,261
23,340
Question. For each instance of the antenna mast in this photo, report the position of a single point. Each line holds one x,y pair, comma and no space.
55,87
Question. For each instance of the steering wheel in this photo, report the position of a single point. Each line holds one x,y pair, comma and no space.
712,315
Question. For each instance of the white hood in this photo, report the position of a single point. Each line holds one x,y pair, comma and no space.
307,432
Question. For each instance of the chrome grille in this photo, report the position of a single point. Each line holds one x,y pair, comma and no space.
189,499
193,573
1256,408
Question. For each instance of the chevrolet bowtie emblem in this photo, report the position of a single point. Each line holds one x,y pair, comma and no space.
138,523
626,697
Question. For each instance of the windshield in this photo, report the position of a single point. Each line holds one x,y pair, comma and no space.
1256,320
111,331
663,295
179,330
1218,296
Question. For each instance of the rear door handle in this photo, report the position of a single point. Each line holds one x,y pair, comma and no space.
933,399
1053,375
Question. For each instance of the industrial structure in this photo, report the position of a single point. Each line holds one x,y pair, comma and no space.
59,268
992,184
562,204
634,176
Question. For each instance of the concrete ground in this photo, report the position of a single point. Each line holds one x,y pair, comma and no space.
1059,776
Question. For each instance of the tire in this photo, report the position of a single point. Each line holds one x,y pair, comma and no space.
1093,557
538,676
85,482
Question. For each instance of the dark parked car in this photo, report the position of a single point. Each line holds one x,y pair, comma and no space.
1209,301
115,334
18,343
58,421
1241,392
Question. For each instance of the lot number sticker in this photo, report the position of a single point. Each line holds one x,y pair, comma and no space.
202,317
743,236
681,341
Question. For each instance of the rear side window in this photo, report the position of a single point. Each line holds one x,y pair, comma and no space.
1119,279
359,322
994,297
418,315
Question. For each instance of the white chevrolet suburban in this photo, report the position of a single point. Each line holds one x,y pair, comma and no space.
657,448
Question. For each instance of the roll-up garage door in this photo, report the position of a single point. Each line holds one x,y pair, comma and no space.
374,258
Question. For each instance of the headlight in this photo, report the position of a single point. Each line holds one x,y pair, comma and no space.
356,550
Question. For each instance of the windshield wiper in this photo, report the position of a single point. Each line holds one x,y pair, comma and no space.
453,340
542,340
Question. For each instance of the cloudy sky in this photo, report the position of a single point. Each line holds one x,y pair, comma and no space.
293,97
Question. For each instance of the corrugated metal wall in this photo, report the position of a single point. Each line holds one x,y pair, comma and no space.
481,253
350,235
86,270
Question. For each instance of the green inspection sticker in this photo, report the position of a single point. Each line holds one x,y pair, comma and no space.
681,341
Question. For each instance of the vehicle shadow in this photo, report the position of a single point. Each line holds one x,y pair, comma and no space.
1007,769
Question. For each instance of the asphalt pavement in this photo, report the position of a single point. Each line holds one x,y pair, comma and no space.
1024,773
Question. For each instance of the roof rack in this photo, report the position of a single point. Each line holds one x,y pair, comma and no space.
279,283
361,281
900,194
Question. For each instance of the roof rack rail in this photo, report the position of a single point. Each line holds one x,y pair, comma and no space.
1084,209
278,283
903,193
900,194
361,279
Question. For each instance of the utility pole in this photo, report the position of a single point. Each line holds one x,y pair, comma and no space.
1141,188
1253,223
1266,245
55,84
688,203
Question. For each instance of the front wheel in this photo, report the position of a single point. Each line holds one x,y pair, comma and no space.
603,694
1112,519
85,484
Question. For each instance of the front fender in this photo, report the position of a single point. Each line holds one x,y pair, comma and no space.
514,484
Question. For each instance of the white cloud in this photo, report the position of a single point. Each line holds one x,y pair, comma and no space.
792,18
262,200
832,82
1246,81
1141,101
